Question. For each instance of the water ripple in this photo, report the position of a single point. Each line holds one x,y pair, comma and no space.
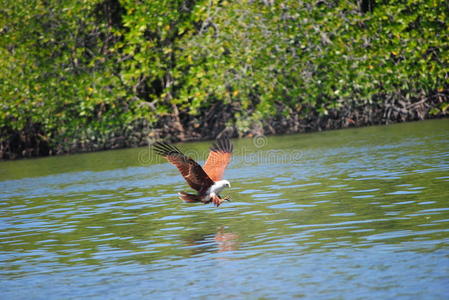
361,201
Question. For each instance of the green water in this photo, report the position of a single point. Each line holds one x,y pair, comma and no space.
348,214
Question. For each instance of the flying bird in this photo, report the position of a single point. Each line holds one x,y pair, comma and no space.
208,180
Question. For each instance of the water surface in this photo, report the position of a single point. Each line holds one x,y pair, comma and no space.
350,214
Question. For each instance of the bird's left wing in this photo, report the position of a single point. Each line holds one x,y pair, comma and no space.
190,169
219,157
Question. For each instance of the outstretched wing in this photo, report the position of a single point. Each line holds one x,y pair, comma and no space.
190,169
219,157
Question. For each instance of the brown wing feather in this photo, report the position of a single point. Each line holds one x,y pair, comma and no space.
190,169
219,157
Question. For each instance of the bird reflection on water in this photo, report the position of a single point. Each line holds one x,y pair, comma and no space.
218,242
226,241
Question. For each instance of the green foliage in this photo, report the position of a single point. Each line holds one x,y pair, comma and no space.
57,71
76,72
300,54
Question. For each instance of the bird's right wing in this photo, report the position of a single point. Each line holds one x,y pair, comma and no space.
192,172
219,157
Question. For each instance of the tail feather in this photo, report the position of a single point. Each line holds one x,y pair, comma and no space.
189,197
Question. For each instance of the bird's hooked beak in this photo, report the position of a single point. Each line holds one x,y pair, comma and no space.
229,185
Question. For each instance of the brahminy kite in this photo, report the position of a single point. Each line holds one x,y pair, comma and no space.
207,181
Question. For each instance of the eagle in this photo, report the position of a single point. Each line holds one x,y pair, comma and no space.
208,180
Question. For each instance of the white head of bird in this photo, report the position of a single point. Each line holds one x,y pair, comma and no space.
219,185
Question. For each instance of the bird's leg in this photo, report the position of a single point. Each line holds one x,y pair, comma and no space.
217,201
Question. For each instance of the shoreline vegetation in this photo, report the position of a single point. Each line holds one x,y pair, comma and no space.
83,76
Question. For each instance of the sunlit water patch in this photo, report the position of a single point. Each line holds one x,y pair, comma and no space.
360,213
